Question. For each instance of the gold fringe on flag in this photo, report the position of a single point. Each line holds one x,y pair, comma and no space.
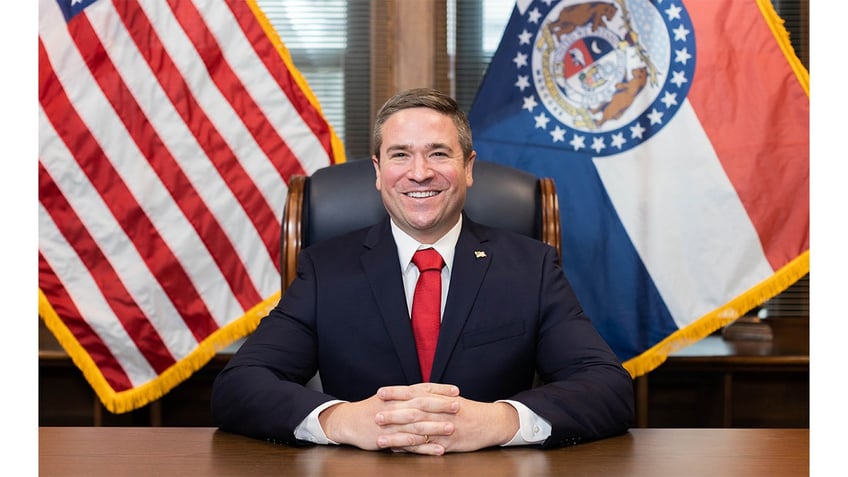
704,326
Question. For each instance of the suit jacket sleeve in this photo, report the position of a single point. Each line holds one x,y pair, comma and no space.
586,394
261,392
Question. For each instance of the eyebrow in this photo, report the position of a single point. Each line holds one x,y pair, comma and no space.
398,147
428,147
438,145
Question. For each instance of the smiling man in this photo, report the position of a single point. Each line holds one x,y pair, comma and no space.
424,163
502,313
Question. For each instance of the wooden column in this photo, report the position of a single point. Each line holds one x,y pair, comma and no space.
408,47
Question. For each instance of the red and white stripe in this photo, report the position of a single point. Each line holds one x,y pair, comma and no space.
168,132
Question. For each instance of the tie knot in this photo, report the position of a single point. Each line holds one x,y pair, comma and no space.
428,259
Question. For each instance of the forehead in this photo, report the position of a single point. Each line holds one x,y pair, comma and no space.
419,124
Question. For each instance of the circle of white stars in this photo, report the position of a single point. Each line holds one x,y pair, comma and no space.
617,140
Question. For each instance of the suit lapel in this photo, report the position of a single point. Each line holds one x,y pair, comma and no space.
470,263
380,262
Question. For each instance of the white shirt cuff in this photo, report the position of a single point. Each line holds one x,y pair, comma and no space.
532,428
310,429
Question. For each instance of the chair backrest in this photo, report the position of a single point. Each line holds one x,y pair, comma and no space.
342,198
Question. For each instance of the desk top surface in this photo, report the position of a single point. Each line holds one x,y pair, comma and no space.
160,451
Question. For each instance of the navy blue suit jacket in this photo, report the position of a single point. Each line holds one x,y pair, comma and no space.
510,313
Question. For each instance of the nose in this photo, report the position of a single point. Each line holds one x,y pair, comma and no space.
419,168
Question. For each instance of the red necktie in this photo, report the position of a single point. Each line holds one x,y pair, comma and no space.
426,307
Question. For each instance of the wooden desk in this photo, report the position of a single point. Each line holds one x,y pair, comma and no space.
94,451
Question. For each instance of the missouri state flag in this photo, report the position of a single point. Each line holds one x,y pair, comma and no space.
168,132
677,133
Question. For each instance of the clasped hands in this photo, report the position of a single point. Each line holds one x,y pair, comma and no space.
424,418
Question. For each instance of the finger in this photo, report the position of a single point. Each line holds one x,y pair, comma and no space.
402,393
427,449
415,422
417,411
436,388
403,442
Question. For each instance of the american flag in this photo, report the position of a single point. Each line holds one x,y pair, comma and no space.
168,131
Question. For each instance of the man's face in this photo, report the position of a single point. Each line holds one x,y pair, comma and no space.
421,175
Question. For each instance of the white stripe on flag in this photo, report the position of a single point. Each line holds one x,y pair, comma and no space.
685,219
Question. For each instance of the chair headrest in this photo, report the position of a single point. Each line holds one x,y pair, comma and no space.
501,196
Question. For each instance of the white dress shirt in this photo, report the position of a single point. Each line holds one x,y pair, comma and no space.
532,427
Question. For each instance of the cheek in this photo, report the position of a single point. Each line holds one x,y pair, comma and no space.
387,178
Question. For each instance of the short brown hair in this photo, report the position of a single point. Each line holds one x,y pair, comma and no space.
424,98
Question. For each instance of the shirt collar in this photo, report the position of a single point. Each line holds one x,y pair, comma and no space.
407,246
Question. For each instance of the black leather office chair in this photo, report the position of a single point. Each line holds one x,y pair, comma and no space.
342,197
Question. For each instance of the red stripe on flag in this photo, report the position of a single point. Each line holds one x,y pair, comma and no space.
228,81
757,139
141,331
218,151
64,306
158,257
147,140
286,81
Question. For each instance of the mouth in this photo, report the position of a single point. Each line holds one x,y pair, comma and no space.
422,194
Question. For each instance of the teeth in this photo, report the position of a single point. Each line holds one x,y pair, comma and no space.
421,195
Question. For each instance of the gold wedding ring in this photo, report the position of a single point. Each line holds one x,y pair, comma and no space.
426,438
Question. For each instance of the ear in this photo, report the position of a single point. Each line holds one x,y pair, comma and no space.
376,163
469,169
